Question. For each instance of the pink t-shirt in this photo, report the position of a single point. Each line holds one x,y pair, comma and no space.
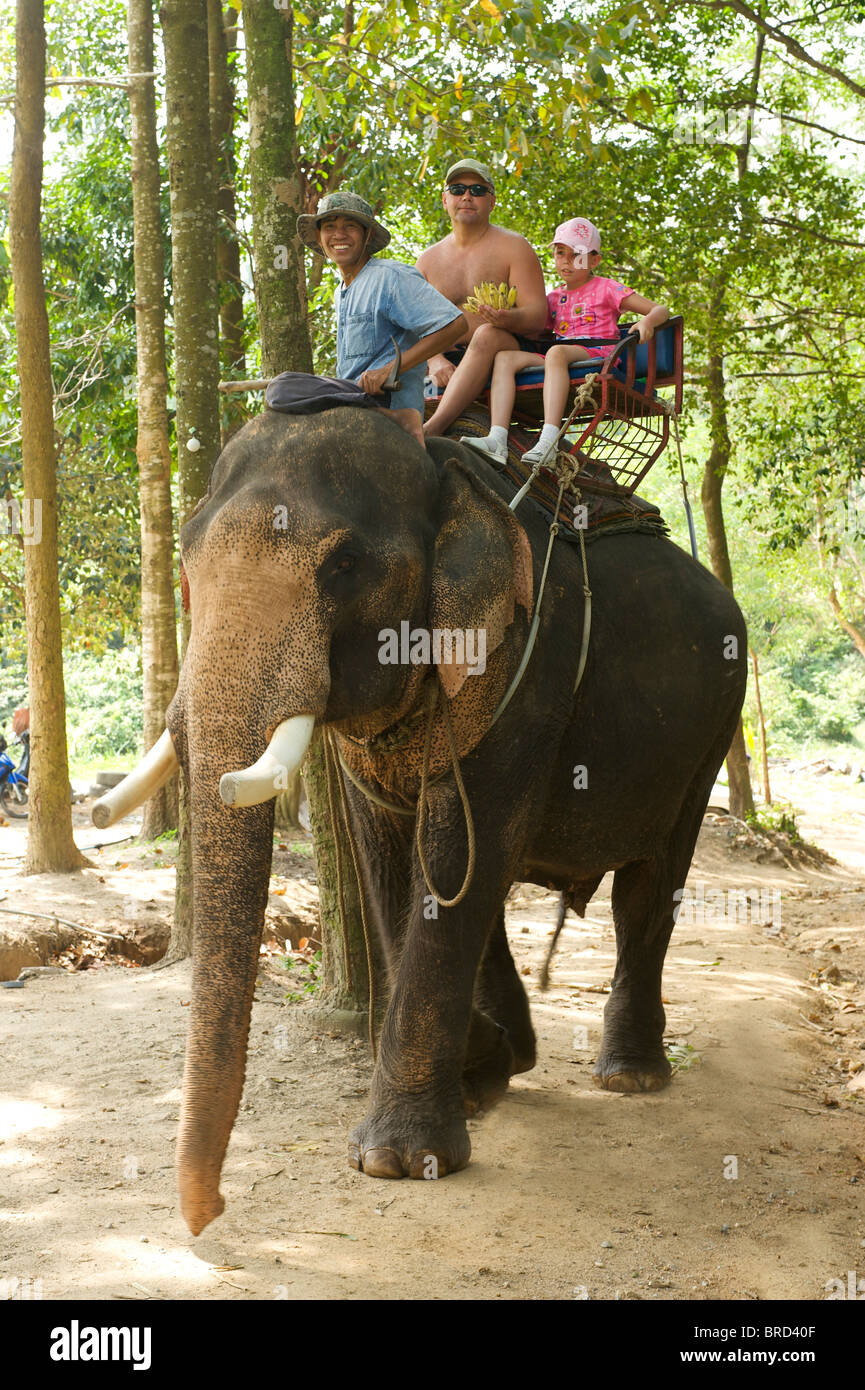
592,311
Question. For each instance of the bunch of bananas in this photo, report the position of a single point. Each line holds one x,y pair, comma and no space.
501,296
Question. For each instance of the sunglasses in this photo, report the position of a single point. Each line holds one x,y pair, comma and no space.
477,190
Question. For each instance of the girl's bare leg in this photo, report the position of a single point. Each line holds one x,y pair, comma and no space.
504,386
556,379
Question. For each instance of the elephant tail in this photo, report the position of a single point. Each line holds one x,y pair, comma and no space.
544,979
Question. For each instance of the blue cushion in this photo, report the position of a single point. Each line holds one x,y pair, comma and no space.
665,339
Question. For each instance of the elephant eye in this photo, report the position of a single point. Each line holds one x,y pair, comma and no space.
341,562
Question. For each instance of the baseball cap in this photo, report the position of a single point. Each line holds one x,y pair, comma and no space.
480,169
579,234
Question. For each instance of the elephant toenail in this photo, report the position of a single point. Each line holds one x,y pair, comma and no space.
427,1165
382,1163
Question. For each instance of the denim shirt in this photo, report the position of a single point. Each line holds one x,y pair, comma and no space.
387,299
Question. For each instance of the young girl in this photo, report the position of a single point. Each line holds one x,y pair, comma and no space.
585,306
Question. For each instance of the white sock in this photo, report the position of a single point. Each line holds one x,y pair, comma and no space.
498,436
548,434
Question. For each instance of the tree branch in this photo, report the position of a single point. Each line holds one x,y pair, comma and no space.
801,227
812,125
777,36
818,371
10,584
856,635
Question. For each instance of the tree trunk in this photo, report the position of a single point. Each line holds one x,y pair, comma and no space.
196,316
741,795
856,634
287,807
222,96
277,195
158,628
764,756
277,199
222,40
275,189
50,844
344,998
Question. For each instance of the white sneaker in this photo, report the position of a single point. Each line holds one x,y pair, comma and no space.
540,453
486,445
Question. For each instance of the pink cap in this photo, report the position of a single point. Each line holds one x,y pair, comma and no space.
579,234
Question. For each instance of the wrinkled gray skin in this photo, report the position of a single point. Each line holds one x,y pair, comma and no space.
286,622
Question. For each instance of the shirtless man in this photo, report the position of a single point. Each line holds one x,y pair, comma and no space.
473,252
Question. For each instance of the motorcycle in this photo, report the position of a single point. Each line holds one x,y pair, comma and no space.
14,793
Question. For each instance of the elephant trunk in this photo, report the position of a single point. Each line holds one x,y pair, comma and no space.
232,852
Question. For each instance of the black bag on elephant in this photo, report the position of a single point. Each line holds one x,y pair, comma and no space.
300,393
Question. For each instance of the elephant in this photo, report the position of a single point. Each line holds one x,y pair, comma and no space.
318,535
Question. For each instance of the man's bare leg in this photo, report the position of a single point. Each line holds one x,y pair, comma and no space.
470,377
410,420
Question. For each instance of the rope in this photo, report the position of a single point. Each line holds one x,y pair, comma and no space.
587,608
334,777
536,616
373,796
337,847
432,702
691,532
361,899
552,458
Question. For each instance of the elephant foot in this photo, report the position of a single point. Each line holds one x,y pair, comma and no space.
485,1079
524,1050
385,1146
614,1074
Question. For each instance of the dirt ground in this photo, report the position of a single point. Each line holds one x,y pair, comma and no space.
744,1180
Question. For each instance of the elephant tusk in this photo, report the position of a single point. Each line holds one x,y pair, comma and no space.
156,768
266,778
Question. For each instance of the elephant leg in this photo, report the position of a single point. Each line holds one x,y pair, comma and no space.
632,1056
499,992
386,873
416,1125
501,1037
488,1065
632,1052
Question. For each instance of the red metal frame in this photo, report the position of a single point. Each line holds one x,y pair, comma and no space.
625,430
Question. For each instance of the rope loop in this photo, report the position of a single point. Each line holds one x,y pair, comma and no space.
432,700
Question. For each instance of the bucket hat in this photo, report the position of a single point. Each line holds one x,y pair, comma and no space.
348,205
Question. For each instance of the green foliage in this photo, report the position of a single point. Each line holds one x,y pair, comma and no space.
766,265
779,818
682,1057
309,983
103,706
815,699
435,72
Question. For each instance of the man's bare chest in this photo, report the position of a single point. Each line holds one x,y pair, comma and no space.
456,271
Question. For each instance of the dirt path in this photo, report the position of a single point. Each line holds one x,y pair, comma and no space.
571,1192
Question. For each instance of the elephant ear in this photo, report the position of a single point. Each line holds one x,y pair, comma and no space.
482,567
